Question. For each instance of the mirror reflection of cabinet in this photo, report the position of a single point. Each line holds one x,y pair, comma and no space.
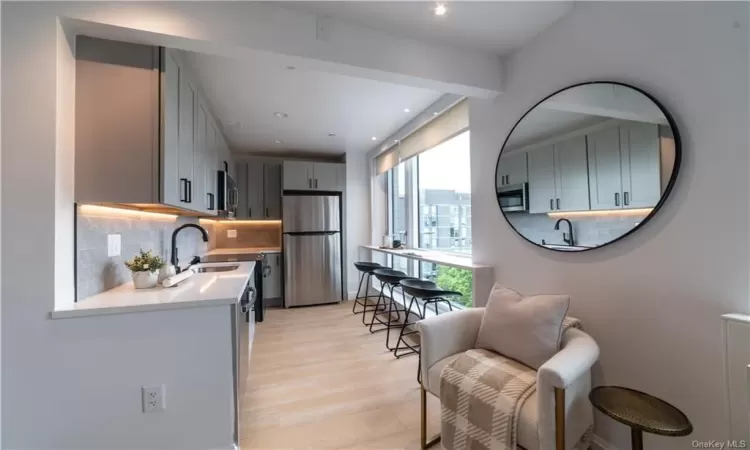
515,170
558,177
602,156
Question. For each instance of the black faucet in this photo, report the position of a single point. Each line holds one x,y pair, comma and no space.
567,237
174,259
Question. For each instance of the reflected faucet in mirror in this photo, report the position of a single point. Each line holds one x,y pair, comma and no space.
567,237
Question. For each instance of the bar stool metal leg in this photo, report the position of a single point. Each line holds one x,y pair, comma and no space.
356,297
377,307
406,324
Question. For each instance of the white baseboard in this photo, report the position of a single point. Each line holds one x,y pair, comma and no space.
598,443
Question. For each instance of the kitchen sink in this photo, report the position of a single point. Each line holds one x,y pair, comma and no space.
203,269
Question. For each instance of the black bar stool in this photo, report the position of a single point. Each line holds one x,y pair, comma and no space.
390,278
366,268
429,293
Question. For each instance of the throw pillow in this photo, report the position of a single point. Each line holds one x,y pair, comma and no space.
527,329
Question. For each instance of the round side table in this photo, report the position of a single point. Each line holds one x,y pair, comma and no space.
641,412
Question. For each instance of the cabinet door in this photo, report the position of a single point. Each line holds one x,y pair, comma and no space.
211,163
200,202
641,168
272,282
255,209
514,168
605,179
186,132
241,180
541,180
297,175
272,190
172,187
572,178
326,177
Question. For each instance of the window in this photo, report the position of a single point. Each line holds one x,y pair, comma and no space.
429,197
444,185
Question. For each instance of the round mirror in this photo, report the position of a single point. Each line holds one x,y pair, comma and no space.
587,166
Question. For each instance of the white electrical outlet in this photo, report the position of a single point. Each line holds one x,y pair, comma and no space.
231,233
154,398
114,244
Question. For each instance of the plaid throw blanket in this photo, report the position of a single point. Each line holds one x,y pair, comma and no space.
481,396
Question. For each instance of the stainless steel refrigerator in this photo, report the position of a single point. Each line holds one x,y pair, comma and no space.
312,249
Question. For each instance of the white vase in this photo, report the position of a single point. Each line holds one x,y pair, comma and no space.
145,280
166,272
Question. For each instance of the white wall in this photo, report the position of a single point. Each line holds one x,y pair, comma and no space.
358,218
652,301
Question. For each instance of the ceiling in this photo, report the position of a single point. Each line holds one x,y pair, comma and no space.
542,123
245,94
498,27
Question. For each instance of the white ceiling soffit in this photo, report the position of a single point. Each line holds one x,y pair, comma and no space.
498,27
244,95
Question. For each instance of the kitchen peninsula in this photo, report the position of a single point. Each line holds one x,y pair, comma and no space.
191,342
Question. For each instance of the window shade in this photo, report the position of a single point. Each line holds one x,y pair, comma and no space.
386,160
443,127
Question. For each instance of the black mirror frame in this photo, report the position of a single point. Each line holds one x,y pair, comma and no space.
665,194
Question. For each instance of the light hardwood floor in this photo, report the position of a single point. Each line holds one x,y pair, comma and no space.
319,380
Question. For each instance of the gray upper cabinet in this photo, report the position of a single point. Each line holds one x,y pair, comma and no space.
143,134
254,189
605,175
272,190
298,175
558,177
571,175
542,180
312,176
641,165
326,176
259,184
624,166
515,170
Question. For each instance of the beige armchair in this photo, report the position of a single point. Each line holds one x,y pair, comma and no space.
555,417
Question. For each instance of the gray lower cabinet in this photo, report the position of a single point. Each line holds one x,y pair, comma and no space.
272,280
142,129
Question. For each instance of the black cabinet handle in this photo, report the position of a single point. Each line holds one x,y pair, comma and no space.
210,201
183,190
309,183
558,203
249,212
189,191
617,199
266,212
626,198
551,204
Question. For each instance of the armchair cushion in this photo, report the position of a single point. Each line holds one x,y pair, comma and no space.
528,329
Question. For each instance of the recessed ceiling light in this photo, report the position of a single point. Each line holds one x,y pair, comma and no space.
435,113
440,9
407,110
374,138
281,115
278,141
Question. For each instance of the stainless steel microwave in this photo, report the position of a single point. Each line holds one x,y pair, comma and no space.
513,197
228,196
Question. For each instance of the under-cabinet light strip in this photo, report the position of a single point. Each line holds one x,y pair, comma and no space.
119,213
608,212
243,222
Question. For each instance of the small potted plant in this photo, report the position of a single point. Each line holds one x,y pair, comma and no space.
144,268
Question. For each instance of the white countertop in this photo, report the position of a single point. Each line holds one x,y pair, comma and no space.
201,289
443,259
242,250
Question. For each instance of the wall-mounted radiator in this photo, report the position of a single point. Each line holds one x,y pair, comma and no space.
736,349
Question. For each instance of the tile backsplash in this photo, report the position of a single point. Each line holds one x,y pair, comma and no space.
257,234
590,231
97,272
